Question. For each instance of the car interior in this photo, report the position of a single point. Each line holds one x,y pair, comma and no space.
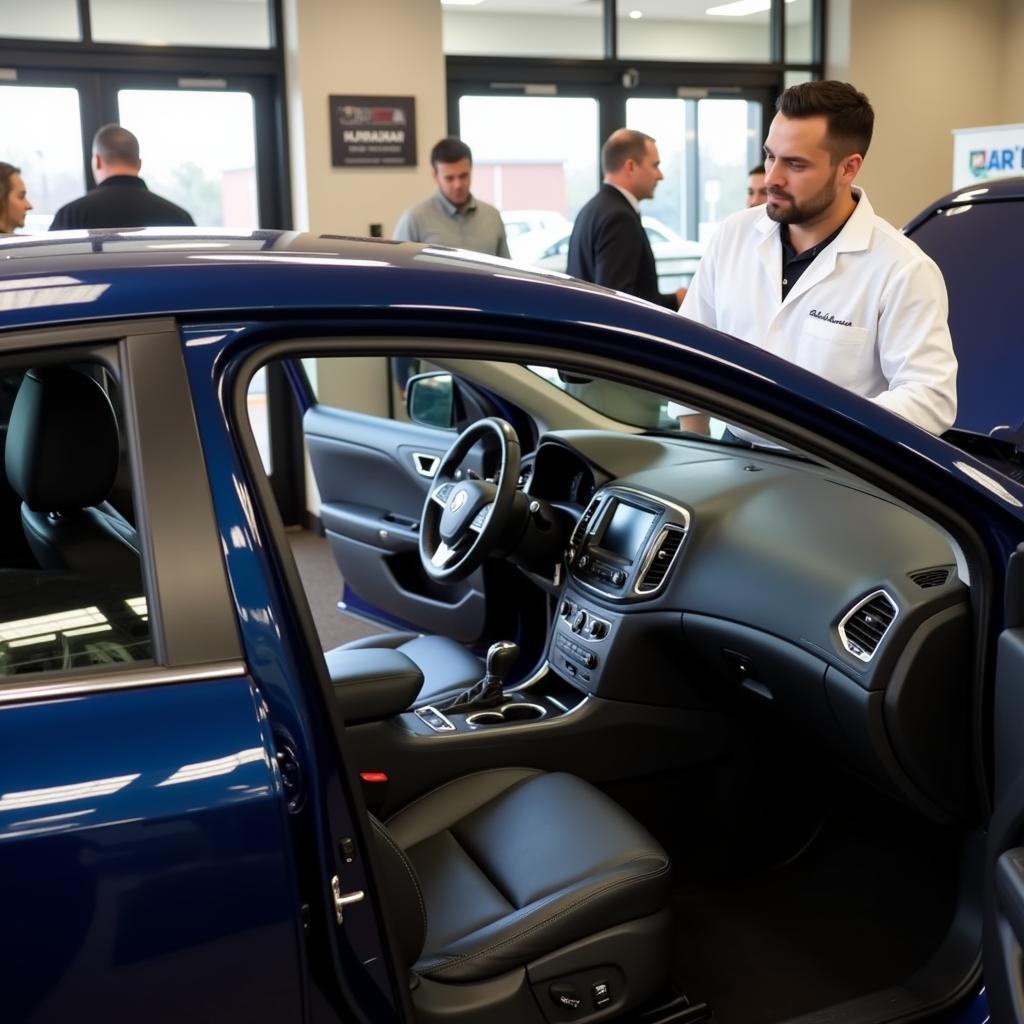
659,726
71,591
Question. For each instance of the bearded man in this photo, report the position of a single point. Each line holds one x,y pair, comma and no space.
816,277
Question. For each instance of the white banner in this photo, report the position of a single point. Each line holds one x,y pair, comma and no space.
993,152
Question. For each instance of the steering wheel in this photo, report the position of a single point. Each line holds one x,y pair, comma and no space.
464,517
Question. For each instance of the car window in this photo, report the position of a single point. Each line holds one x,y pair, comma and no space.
655,236
623,402
71,581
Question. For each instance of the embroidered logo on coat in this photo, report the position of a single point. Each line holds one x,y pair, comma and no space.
829,318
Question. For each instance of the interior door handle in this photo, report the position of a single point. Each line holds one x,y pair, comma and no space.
426,465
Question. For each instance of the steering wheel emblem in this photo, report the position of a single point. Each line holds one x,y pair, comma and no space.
459,500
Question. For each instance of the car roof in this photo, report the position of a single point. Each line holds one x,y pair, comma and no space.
990,190
73,276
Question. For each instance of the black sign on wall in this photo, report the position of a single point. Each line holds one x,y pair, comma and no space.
373,131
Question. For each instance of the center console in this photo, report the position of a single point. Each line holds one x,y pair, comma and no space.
621,553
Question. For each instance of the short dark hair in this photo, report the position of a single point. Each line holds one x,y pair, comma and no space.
622,145
450,151
116,145
759,169
847,112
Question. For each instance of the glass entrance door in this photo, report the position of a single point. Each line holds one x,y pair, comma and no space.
536,159
707,147
43,136
198,150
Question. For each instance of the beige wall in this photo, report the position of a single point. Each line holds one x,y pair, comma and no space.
928,66
1011,86
358,47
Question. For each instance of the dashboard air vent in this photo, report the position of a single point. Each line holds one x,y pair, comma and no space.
927,578
580,530
864,626
661,561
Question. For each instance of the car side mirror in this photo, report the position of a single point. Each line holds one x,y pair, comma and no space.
573,378
430,399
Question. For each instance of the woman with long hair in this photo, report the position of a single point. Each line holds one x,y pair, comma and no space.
14,202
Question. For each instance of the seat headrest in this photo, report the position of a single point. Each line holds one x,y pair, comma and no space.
62,447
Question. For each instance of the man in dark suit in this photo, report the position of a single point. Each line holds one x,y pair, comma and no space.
121,198
609,245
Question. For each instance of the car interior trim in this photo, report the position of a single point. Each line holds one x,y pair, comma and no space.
851,645
36,689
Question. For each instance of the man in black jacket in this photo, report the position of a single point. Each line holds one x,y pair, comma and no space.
609,245
120,199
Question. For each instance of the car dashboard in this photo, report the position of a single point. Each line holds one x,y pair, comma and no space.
704,575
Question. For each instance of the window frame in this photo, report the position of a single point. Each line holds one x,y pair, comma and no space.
193,630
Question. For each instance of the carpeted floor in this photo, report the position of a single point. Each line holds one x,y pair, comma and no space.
859,910
323,585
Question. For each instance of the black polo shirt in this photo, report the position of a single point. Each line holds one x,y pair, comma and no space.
793,263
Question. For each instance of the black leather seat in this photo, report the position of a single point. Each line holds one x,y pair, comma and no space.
447,667
514,887
61,456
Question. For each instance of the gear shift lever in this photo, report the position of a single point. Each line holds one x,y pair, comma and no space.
488,692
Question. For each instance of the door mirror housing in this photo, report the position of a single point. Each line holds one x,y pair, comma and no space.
430,399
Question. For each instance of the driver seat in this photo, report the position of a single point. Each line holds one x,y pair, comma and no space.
446,666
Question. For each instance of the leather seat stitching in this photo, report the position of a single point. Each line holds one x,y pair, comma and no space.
382,831
466,958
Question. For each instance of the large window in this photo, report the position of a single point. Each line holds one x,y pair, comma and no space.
214,176
539,188
700,77
43,136
210,130
707,31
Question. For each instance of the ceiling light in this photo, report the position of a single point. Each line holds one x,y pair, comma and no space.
636,14
741,8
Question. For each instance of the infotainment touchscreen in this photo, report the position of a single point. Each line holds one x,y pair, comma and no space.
626,530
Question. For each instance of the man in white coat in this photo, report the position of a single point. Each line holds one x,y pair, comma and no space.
816,277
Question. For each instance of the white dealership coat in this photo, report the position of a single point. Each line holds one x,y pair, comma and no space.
869,312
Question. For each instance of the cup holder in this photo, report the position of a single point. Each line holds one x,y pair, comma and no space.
520,711
486,718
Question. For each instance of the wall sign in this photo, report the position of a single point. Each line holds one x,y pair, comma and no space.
982,153
373,131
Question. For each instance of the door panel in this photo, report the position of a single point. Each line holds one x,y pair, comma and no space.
1004,898
369,471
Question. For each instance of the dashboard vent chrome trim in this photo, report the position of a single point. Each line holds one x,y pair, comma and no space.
580,530
864,626
935,577
661,559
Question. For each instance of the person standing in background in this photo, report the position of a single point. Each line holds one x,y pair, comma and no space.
14,202
608,245
121,198
757,192
453,215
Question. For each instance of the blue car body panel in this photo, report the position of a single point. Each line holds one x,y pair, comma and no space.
277,652
128,884
148,844
974,235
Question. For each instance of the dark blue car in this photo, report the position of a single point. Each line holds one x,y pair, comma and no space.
974,236
662,729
